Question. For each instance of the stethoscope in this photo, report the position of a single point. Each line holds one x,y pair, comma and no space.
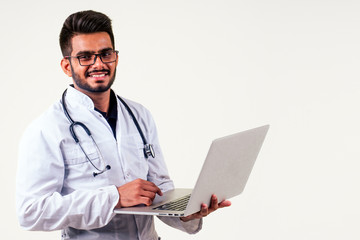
148,148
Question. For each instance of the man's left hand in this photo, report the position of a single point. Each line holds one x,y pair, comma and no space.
205,210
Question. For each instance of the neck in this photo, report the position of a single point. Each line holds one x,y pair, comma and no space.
101,100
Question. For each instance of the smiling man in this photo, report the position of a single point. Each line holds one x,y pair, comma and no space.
92,66
84,157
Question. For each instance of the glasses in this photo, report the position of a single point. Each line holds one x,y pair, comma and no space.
90,59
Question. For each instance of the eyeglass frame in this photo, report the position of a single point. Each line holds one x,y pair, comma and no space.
96,55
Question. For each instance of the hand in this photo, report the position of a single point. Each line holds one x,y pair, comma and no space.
214,205
137,192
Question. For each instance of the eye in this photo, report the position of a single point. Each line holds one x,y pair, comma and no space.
85,57
106,54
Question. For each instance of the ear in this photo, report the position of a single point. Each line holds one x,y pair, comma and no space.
66,67
117,60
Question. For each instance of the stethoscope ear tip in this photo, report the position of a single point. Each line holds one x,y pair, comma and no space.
108,167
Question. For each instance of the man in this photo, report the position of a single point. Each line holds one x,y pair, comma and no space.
84,156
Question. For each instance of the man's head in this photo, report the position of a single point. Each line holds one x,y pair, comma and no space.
82,23
88,35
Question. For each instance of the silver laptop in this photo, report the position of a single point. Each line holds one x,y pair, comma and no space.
224,173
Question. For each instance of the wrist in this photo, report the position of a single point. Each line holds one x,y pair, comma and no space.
184,219
118,205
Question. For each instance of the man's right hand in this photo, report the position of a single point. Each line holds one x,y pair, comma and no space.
137,192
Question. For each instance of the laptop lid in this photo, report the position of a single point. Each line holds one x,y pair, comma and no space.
227,167
225,172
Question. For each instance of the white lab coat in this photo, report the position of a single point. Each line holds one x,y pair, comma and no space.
55,186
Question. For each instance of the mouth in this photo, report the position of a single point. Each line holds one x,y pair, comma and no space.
98,75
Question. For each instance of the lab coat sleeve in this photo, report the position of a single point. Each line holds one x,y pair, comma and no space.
191,227
40,204
159,175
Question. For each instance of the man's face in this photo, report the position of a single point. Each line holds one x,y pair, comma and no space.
94,78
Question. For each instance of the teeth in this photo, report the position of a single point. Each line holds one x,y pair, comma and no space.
100,75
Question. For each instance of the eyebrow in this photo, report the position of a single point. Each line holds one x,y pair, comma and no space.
93,52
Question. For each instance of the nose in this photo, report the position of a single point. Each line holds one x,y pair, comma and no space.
98,63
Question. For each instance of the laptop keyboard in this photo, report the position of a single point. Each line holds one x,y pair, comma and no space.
176,205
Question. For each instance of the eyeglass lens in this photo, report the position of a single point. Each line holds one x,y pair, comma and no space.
106,57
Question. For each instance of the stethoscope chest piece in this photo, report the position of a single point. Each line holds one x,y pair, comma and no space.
149,151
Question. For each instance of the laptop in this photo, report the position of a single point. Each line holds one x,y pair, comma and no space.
225,172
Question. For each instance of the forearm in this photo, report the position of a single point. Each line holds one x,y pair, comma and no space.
82,209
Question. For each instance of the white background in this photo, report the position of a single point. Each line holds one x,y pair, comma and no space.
207,69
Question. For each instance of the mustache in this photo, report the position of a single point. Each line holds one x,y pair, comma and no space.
98,71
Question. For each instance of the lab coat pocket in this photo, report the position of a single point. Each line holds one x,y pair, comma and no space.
76,163
136,164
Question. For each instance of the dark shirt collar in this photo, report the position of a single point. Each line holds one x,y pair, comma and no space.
111,117
112,111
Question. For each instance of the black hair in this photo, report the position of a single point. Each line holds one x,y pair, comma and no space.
83,22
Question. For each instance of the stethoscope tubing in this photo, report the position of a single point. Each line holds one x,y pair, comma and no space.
148,148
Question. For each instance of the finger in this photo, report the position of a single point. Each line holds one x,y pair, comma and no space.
148,194
214,203
225,203
149,186
204,210
145,200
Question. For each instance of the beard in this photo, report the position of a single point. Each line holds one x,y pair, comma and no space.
85,86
